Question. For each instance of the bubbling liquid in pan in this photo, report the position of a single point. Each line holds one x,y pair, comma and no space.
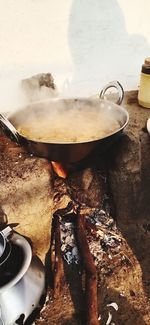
70,127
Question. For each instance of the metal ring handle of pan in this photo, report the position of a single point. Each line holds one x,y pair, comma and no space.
113,84
9,128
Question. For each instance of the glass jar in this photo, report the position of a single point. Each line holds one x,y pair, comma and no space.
144,89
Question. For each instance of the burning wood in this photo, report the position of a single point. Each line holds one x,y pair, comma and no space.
91,274
86,235
87,259
59,169
56,259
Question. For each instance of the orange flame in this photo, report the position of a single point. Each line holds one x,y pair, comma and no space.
59,169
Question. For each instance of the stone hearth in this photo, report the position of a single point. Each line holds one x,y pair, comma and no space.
30,193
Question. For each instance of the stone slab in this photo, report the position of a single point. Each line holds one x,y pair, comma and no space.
26,194
129,164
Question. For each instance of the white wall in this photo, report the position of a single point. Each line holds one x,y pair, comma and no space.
83,43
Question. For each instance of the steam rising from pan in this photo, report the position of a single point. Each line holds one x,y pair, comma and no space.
67,121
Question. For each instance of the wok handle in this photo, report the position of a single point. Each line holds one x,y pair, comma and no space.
9,129
113,84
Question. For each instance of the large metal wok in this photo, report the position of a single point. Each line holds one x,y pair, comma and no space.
69,151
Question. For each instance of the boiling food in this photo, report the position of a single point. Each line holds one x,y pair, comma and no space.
69,126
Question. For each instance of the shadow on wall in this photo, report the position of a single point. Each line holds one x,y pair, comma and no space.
101,48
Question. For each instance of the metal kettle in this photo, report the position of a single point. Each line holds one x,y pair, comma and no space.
22,278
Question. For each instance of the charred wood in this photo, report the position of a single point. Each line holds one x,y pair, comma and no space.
90,274
57,263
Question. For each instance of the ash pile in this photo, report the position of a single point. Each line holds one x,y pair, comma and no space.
105,241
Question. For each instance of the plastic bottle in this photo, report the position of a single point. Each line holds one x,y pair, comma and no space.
144,89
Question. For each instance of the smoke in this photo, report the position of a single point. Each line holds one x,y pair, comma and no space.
17,93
